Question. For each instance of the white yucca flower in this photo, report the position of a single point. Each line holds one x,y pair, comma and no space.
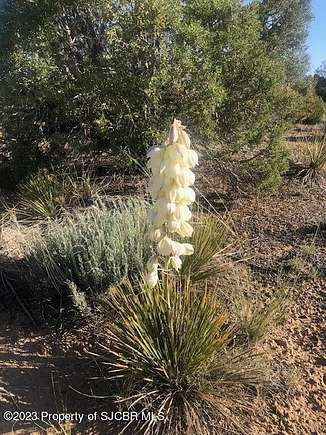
170,189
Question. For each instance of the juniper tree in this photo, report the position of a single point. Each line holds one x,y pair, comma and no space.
100,74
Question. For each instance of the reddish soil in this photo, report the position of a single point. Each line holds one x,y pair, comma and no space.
289,226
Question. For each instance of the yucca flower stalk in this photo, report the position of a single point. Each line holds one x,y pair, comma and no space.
172,195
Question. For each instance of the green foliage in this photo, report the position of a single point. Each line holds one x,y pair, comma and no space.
209,240
316,161
314,107
271,165
170,352
285,28
259,101
39,197
48,196
100,74
93,249
320,79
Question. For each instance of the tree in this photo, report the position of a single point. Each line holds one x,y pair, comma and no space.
313,105
98,74
284,29
320,79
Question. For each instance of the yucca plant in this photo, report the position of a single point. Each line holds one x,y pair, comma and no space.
38,197
316,148
170,352
209,241
47,196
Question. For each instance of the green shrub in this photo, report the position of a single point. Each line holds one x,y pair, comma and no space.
171,352
81,75
94,249
269,167
314,106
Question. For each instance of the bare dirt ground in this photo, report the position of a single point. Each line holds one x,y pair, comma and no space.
286,235
47,367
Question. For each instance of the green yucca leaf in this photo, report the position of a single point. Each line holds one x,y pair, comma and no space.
316,151
170,350
44,196
165,331
209,240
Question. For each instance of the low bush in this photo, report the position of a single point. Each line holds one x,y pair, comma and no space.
171,352
93,249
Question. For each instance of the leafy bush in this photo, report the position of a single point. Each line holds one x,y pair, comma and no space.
87,74
171,352
94,249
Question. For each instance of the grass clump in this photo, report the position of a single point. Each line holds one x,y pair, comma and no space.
93,249
257,319
171,353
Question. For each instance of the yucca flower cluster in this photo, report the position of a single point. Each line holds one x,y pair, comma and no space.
170,189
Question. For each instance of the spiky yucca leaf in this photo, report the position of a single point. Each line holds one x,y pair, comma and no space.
45,196
208,239
171,351
38,197
316,159
168,331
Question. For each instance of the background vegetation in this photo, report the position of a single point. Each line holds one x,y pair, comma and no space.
104,75
105,78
